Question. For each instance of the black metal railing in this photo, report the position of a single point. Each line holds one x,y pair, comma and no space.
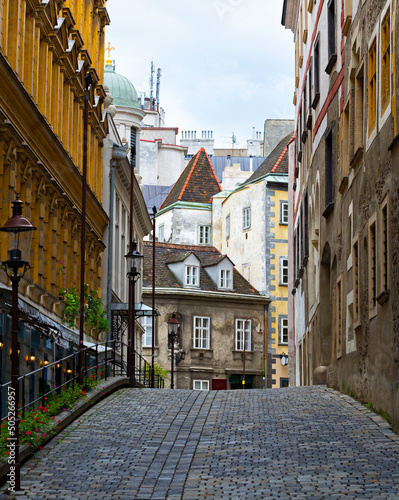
101,361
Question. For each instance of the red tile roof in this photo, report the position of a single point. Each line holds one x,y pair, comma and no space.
197,183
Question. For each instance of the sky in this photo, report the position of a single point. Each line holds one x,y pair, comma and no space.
227,65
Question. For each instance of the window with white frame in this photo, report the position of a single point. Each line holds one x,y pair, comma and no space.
147,335
192,276
225,278
227,227
204,235
283,271
284,212
243,329
283,333
246,218
161,233
201,332
200,385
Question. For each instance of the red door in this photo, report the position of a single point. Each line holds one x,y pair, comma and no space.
219,384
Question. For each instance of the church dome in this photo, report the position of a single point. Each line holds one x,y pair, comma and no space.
121,89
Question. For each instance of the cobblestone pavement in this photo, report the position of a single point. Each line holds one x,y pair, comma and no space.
280,443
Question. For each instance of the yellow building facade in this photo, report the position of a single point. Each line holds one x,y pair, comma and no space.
46,51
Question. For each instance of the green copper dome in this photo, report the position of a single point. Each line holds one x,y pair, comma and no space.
121,89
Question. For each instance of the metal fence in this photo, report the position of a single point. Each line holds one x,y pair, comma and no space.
100,361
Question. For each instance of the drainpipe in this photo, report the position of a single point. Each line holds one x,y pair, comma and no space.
265,317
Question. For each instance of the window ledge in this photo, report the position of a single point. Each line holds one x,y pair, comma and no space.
328,210
316,100
383,297
331,64
344,184
356,158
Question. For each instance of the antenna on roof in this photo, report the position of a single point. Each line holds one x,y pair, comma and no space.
158,86
152,85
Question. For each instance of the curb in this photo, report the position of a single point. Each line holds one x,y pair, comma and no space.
109,386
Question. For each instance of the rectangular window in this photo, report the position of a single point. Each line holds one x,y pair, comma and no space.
359,109
339,317
192,275
243,327
329,165
283,334
283,271
372,265
246,218
201,332
385,61
161,233
204,235
147,335
201,385
372,90
331,35
316,72
284,212
356,280
227,227
385,247
225,278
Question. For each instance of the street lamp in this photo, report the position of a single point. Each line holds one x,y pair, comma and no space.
133,259
173,326
243,358
19,231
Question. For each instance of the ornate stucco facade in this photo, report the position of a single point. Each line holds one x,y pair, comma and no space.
47,49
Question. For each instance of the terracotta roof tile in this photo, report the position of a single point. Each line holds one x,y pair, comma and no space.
197,183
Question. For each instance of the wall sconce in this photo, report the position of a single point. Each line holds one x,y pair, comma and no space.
284,359
45,362
30,359
69,371
19,351
58,365
1,342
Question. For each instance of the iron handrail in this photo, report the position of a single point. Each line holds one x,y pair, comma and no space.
101,367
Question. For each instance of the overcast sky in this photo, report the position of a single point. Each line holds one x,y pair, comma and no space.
227,65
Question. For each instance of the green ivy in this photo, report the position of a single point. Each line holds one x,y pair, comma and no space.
95,311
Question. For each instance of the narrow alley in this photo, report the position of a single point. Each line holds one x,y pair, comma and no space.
308,442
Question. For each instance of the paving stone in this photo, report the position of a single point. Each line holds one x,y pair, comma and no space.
153,444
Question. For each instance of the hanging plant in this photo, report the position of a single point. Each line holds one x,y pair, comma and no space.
72,306
95,312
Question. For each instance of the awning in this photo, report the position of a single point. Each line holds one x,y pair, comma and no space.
140,308
38,320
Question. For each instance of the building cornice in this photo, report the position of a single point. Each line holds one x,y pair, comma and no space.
198,294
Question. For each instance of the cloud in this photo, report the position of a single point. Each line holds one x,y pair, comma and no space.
226,64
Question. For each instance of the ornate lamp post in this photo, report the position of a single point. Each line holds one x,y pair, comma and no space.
173,326
19,230
134,259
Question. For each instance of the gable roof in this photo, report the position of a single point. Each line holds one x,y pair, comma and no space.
276,162
197,183
167,252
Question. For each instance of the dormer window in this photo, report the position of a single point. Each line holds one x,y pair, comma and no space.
225,278
192,276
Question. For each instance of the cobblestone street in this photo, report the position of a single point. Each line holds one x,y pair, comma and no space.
280,443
